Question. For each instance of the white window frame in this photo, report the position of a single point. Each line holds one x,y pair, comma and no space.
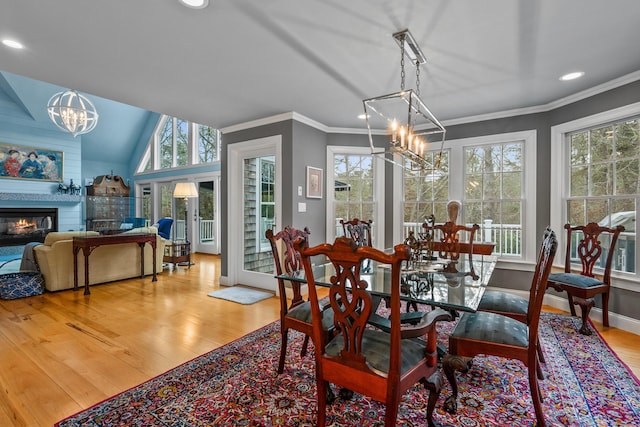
456,188
152,151
560,177
378,191
261,241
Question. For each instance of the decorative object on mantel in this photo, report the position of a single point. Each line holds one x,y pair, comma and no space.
72,112
23,162
73,189
404,117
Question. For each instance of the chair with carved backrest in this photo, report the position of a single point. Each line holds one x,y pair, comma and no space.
583,286
359,230
447,239
296,315
381,365
489,333
510,305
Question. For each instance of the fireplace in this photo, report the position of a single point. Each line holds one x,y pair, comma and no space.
19,226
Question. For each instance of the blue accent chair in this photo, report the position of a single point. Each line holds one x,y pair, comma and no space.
164,227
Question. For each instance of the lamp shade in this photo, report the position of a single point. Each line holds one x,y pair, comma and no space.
185,189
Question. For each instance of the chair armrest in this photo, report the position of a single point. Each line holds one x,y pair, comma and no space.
427,323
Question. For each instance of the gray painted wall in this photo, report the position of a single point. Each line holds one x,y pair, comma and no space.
304,145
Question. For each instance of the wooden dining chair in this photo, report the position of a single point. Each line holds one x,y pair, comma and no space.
297,314
583,286
494,334
511,305
448,238
371,362
359,230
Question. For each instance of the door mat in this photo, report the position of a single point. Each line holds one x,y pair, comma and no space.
240,295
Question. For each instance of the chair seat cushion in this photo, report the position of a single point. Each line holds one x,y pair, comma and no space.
302,312
575,280
504,302
376,349
487,326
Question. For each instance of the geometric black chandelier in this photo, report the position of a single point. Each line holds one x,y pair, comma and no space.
402,116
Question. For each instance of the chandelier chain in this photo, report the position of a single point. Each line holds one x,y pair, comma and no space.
402,65
418,78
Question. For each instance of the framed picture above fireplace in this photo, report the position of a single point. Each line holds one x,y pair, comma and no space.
24,162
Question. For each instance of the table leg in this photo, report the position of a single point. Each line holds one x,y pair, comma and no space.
141,245
75,268
86,271
153,247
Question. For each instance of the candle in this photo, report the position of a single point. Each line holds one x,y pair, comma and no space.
394,131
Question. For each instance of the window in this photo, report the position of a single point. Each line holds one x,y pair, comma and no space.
354,187
603,182
493,195
354,175
490,175
266,201
179,143
426,192
596,169
208,143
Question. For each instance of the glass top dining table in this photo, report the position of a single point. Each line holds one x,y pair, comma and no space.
452,285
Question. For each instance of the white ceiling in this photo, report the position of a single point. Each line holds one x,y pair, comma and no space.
241,60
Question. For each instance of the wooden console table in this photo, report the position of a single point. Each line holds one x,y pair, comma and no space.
89,243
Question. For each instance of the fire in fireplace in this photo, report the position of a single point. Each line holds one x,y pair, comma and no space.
19,226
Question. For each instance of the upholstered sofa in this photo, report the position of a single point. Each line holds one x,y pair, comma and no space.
106,263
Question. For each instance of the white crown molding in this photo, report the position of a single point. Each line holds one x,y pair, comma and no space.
612,84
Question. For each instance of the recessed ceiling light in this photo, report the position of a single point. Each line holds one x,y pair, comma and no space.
12,43
572,76
195,4
362,116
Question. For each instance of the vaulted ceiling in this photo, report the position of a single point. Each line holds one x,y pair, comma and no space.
241,60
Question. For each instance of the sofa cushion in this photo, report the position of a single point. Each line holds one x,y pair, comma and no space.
66,235
152,230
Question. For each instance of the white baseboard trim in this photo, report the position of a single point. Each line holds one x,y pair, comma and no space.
615,320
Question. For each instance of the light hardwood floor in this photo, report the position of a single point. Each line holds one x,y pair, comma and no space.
62,352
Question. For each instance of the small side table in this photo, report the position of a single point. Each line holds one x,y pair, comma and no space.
177,253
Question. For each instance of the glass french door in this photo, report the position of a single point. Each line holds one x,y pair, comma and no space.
254,204
207,224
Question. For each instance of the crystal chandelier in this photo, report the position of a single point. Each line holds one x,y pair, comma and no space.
404,118
72,112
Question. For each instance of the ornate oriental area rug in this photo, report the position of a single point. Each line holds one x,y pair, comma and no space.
236,385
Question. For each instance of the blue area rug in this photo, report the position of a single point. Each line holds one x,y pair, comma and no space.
240,295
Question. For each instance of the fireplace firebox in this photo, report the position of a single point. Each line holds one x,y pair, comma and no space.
19,226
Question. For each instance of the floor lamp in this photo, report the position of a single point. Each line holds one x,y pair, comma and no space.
186,190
